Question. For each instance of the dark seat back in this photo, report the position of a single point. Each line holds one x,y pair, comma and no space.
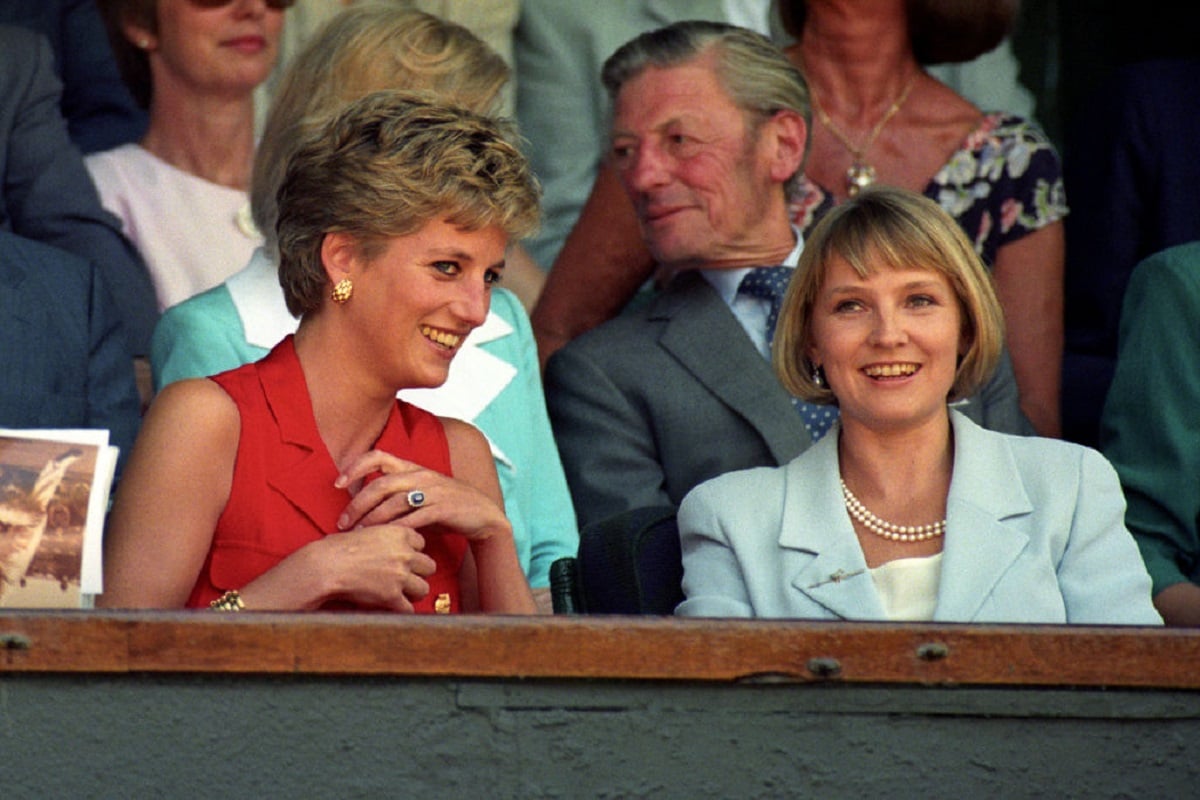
627,564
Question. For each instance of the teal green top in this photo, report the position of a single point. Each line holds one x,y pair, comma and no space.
1150,428
205,335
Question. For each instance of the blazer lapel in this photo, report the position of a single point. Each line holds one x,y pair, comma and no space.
703,335
985,492
303,471
818,538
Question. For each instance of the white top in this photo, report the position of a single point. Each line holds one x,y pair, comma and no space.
193,234
908,587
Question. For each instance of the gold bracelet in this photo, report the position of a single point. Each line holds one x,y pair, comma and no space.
230,601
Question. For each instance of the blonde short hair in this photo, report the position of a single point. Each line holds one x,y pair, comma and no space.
387,165
886,227
369,47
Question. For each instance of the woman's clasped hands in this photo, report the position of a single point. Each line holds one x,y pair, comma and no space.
380,551
418,497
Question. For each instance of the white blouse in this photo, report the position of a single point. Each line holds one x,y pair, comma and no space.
908,587
193,234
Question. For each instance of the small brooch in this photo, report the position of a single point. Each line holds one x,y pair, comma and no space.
838,577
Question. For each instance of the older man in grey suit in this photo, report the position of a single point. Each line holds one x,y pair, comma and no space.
710,124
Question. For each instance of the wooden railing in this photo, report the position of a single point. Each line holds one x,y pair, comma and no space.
607,648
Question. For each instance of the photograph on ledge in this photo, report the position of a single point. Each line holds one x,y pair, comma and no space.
54,489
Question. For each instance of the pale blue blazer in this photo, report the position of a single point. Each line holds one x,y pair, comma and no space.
1035,534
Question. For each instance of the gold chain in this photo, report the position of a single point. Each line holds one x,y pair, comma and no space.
861,174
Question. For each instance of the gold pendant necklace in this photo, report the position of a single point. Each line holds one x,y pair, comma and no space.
861,174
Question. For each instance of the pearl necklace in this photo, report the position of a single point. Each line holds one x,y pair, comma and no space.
888,530
861,174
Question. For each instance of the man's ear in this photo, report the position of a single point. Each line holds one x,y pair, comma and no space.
340,255
787,136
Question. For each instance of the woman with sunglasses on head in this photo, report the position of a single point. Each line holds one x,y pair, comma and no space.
181,192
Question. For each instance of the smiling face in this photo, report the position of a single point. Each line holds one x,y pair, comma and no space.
699,175
228,48
889,343
417,298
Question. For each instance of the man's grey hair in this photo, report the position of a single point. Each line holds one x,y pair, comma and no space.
753,70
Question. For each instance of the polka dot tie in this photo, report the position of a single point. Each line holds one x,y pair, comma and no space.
770,283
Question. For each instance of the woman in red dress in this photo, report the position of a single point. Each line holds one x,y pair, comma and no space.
300,481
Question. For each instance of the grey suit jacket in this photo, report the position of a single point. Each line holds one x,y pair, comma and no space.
46,193
652,403
66,363
1035,533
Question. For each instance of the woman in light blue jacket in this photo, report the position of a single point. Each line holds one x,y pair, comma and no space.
908,511
495,381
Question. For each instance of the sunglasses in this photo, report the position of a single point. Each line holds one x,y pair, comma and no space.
275,4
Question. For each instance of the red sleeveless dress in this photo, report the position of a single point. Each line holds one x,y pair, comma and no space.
282,496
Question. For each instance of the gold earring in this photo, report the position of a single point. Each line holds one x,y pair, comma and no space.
144,43
342,291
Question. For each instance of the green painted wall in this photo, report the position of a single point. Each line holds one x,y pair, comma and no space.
164,736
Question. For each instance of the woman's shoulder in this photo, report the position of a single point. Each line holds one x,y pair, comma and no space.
1056,458
211,308
1005,132
129,182
1003,183
136,168
739,488
1051,452
462,435
194,404
469,452
117,160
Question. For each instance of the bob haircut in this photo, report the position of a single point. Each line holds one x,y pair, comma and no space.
385,166
941,31
368,47
889,228
754,72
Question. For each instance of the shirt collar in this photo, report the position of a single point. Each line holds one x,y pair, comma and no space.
727,281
